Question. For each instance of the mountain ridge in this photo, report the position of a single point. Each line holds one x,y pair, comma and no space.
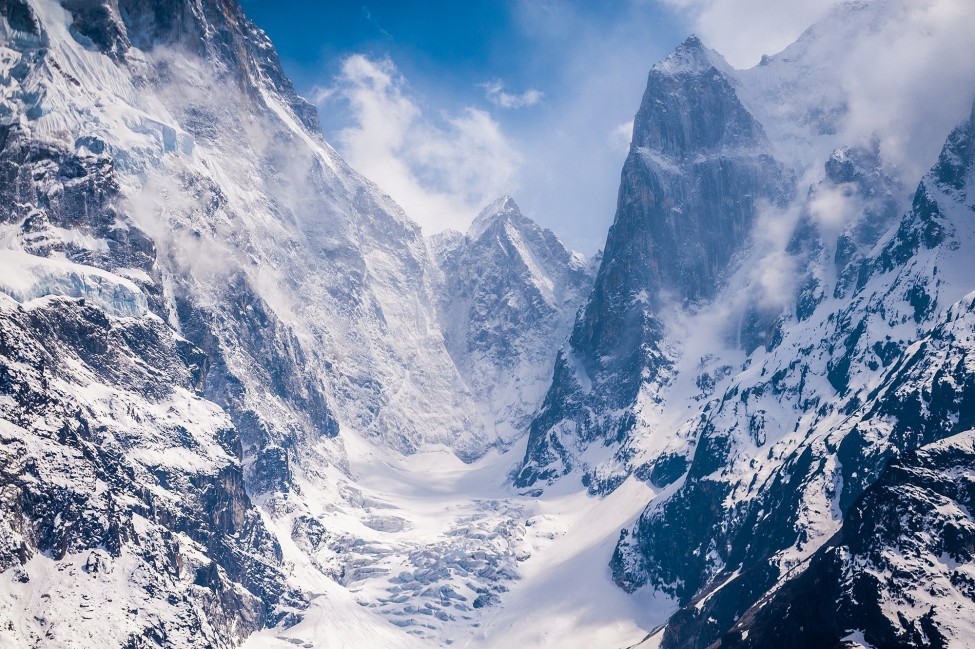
502,276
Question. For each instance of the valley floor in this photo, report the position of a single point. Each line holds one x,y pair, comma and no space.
426,550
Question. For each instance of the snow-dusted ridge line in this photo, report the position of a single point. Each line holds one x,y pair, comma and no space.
509,291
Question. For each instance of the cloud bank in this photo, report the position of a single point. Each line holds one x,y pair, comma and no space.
906,67
911,79
440,169
744,30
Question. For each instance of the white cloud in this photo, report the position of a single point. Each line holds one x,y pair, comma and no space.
907,74
832,207
774,271
621,136
911,80
744,30
496,94
440,171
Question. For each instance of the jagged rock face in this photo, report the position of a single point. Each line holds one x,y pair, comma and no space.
898,574
697,172
510,294
860,370
123,494
70,176
898,571
247,212
215,30
156,162
698,166
116,472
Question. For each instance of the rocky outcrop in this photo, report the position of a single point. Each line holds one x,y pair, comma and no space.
698,169
116,471
896,574
509,296
841,392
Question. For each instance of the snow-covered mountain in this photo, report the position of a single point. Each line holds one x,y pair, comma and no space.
896,572
258,310
203,304
743,376
244,399
787,454
698,170
510,295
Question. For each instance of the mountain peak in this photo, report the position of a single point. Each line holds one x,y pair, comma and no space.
502,210
691,56
501,205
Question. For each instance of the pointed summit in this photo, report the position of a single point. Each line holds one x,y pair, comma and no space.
502,210
510,291
692,57
500,205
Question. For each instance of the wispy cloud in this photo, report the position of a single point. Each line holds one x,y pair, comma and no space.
496,94
621,136
744,30
911,80
905,68
440,169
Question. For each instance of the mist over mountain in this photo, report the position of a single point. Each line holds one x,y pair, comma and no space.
246,401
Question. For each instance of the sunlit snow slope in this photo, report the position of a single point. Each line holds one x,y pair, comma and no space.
213,330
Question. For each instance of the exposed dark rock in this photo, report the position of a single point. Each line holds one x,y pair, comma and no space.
697,169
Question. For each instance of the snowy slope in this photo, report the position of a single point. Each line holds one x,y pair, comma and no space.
449,554
897,571
123,498
308,290
160,174
736,385
509,297
246,207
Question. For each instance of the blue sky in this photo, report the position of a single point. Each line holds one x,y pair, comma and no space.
447,104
